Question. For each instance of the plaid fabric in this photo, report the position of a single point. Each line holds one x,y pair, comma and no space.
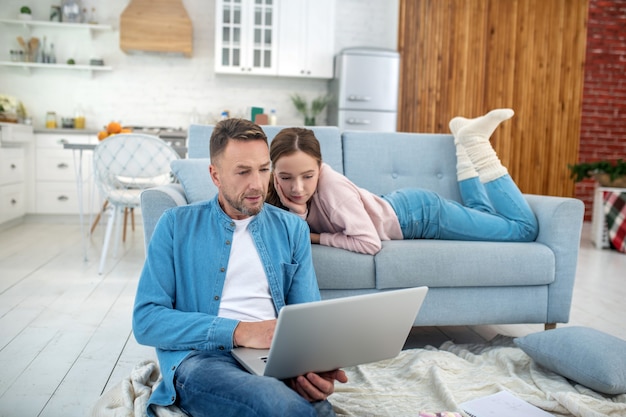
615,210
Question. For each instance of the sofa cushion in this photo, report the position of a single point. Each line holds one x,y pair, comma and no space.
588,356
452,306
446,263
341,269
385,162
193,175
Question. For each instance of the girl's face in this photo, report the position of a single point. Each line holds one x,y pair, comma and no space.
297,175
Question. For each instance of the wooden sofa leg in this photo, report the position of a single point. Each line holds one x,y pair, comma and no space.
550,326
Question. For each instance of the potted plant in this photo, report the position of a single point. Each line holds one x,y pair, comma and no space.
8,109
607,173
25,13
309,113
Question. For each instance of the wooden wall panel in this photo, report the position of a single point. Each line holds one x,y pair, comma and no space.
462,57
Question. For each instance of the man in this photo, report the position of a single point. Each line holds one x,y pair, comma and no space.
215,276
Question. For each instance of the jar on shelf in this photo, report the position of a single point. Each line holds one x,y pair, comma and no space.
52,56
51,120
79,118
71,11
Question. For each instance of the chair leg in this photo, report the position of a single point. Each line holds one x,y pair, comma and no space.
118,227
107,238
132,221
549,326
97,219
125,222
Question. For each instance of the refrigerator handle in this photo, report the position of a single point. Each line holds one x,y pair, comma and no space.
359,98
355,121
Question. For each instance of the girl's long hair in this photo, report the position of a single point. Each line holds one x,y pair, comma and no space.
287,142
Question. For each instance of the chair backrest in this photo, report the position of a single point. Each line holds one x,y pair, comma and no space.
126,164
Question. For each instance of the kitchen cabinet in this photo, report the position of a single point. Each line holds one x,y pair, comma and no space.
13,140
245,37
67,32
55,173
306,38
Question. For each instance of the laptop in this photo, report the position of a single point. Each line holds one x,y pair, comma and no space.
336,333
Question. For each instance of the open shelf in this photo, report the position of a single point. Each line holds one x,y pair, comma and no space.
42,23
29,65
32,24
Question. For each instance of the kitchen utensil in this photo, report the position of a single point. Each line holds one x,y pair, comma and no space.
25,47
33,46
22,43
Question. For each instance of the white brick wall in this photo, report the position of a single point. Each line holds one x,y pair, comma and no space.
165,90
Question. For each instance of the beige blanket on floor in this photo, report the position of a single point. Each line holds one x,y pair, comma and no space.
440,379
129,397
428,379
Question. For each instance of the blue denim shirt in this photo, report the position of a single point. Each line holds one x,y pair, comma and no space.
181,283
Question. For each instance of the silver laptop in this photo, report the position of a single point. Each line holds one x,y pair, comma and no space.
330,334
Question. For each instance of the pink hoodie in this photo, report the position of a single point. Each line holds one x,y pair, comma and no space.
349,217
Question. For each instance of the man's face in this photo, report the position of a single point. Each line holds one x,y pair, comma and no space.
241,174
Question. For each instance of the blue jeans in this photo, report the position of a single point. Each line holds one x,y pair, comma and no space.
494,211
214,384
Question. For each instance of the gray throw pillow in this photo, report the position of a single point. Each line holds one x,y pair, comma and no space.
589,357
193,175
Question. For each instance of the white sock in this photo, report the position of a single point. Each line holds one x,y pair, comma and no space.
464,166
474,135
457,123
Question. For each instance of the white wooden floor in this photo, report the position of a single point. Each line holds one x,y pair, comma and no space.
65,331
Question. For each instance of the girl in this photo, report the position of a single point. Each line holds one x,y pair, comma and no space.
343,215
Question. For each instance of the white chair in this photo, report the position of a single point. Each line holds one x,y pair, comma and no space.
124,166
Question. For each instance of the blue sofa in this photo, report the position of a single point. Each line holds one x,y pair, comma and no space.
471,283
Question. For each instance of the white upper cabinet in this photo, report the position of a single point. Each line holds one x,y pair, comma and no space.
290,38
245,37
306,38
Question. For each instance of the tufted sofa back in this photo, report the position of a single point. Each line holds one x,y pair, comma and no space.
378,162
384,162
328,136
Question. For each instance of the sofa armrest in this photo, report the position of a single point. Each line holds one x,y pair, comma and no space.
154,201
560,226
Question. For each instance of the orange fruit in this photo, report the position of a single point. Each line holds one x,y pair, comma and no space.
114,127
102,135
126,130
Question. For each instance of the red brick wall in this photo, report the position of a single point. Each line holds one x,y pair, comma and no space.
603,122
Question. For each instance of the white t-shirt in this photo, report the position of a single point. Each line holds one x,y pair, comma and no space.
246,295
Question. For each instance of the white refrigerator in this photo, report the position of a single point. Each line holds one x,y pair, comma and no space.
365,90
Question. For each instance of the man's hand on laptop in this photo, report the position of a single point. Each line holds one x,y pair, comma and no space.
257,335
317,386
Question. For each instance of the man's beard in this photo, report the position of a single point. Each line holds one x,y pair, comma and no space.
239,205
